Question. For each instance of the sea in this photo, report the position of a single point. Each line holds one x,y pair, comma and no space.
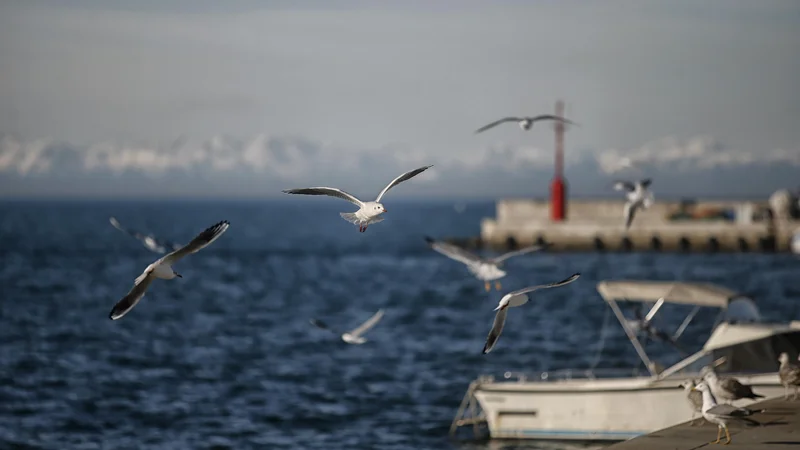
226,358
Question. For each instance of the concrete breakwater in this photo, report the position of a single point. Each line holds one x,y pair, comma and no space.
669,226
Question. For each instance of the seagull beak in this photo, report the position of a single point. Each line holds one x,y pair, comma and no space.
384,209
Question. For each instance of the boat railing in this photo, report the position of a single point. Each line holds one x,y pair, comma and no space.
570,374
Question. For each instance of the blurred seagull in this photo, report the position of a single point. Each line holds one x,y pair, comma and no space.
148,240
525,122
368,212
353,336
485,269
726,388
513,299
722,415
639,197
789,374
694,397
162,268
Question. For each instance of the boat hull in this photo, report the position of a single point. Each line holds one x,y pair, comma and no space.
588,410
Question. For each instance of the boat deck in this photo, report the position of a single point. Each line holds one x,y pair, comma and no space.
781,431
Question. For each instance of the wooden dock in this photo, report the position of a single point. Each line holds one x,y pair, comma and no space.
780,431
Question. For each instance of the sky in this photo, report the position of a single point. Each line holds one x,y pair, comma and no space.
201,98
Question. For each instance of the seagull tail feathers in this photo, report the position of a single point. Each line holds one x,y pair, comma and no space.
350,217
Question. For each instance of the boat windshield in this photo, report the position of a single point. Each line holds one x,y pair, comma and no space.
743,310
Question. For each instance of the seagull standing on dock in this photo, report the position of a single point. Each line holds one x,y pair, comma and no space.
368,212
789,375
148,240
722,415
727,389
484,269
694,397
639,197
525,122
514,299
353,336
163,268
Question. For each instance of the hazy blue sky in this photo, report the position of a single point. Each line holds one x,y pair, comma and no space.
249,97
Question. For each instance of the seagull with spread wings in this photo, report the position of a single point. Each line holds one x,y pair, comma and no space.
162,268
368,212
525,122
353,336
514,299
484,269
148,240
639,197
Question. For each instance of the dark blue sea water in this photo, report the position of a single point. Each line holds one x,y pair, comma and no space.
225,358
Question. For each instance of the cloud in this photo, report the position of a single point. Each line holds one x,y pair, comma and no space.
263,164
694,154
287,156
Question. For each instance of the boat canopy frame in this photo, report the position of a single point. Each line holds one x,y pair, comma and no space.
660,292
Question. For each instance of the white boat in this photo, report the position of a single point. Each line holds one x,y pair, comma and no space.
592,405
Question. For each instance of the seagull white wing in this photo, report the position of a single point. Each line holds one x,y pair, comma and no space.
204,239
453,252
364,327
143,238
522,251
132,298
115,223
551,117
498,122
404,177
519,297
329,191
497,329
624,186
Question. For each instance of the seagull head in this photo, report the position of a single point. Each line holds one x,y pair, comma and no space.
378,208
502,305
702,386
525,124
783,358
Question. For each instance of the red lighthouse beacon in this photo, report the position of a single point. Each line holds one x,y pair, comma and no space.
558,187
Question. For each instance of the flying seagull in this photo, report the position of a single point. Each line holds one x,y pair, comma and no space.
162,268
644,326
148,240
639,197
525,122
513,299
789,374
353,336
725,388
693,397
723,415
368,212
485,269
